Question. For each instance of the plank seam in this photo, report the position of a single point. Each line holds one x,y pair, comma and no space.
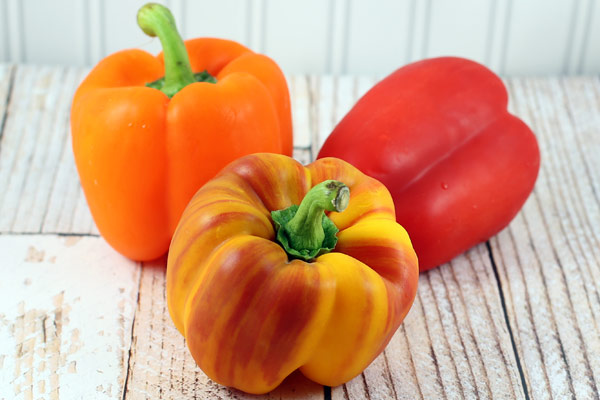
164,333
575,321
543,357
490,32
574,219
49,234
54,178
437,307
541,268
11,84
426,29
411,30
248,17
51,121
5,56
412,361
346,395
435,361
327,392
569,45
22,45
87,39
496,333
462,342
468,320
389,373
29,161
534,327
366,385
137,307
506,320
505,37
15,162
586,37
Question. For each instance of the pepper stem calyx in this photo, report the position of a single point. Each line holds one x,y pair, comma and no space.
304,231
156,20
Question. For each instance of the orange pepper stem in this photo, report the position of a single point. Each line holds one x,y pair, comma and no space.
305,231
157,20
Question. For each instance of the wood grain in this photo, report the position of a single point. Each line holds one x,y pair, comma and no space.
66,311
548,258
518,317
39,188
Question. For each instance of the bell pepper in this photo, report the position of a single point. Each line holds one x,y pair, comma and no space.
260,285
438,134
144,143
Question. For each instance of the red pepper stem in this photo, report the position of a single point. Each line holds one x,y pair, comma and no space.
305,229
157,20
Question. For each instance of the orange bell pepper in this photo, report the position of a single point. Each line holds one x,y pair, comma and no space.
254,305
143,145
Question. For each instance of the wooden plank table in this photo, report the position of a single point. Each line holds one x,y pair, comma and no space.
515,317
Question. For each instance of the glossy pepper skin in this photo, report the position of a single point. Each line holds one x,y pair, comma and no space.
438,134
249,315
141,155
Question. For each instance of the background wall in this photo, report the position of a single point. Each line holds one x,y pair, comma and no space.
513,37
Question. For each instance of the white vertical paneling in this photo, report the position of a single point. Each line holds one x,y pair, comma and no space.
225,19
54,32
121,30
454,32
338,40
378,37
538,41
4,35
296,34
314,36
420,15
255,25
498,30
590,59
95,46
577,36
14,29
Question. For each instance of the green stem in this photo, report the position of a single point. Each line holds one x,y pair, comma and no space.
305,229
157,20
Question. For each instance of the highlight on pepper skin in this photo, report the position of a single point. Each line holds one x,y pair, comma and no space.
253,312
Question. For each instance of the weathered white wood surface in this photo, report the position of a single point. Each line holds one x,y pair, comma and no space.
549,257
67,308
517,317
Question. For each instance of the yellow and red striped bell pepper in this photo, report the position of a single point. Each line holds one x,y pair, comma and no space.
252,313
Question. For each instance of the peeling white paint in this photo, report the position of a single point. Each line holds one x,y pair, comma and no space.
56,294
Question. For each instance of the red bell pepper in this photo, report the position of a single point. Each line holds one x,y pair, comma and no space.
438,134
